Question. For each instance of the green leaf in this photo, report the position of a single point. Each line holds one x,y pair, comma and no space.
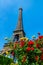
37,51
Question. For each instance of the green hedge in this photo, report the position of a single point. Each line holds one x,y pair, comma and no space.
5,60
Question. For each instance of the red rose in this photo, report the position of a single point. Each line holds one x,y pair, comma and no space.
32,48
37,45
40,37
36,58
22,43
41,57
28,49
30,42
41,49
12,53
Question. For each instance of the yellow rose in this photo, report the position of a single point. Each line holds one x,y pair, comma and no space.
24,39
7,52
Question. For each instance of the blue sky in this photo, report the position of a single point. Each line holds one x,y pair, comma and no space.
32,17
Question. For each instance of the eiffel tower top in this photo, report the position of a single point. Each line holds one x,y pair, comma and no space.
20,20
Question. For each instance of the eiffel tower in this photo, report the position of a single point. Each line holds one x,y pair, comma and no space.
18,32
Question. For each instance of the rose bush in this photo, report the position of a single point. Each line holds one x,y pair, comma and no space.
29,52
